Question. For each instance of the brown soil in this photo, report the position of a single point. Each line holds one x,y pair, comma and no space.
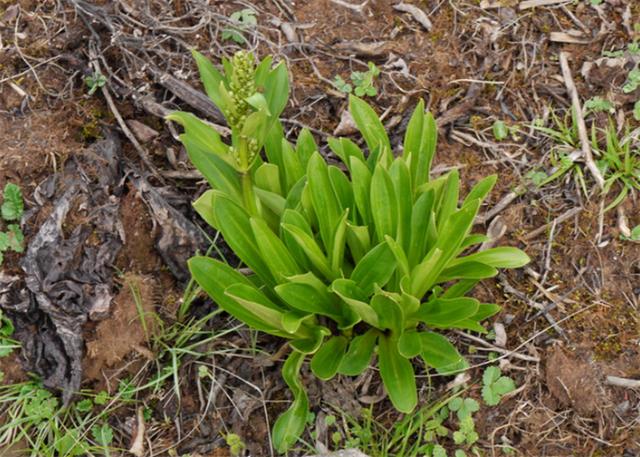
127,330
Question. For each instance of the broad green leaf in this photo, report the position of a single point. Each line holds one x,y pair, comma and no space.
421,216
262,71
201,134
310,344
402,184
323,198
384,203
425,274
290,425
309,294
397,375
272,201
293,168
467,270
449,198
276,90
369,124
356,299
439,353
217,171
326,361
204,207
274,252
445,312
345,149
305,146
358,240
235,227
376,267
398,253
470,324
481,189
215,277
358,356
257,303
500,257
308,244
390,315
413,137
273,149
361,182
460,288
267,177
342,188
485,311
410,344
211,79
292,217
292,320
339,241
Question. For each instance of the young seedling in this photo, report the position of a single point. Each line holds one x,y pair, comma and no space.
242,20
599,105
363,82
495,386
463,407
634,236
95,82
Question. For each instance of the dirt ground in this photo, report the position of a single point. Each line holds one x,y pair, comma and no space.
573,312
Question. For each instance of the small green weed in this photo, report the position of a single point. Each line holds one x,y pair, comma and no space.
242,21
95,82
11,210
599,105
619,163
364,82
495,386
634,236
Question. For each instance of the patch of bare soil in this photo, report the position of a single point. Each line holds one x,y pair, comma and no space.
129,327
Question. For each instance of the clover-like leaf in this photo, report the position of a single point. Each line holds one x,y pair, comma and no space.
495,386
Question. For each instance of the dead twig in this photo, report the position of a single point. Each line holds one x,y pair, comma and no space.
419,15
582,128
558,220
536,3
623,382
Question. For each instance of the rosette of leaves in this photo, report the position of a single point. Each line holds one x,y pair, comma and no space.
371,257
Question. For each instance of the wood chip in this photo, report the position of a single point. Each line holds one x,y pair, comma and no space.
419,15
573,37
143,132
536,3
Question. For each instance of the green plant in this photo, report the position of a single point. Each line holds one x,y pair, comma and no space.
95,82
242,21
636,110
633,81
362,80
598,105
495,386
500,130
619,163
634,235
342,265
11,211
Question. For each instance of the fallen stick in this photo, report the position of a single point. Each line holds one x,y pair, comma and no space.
623,382
582,128
535,3
563,217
